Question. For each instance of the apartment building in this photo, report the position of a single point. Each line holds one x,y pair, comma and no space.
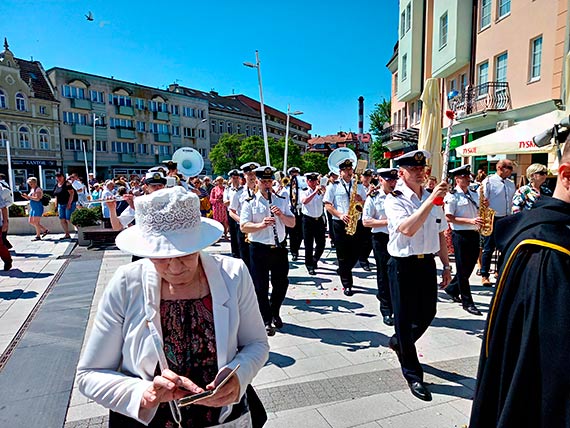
134,127
499,62
325,144
29,123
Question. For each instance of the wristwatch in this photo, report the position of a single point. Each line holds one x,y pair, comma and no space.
448,267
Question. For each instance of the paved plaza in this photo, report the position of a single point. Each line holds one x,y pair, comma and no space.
328,367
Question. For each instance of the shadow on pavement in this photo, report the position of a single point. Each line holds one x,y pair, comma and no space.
280,360
352,340
32,255
17,273
471,326
322,306
17,294
452,390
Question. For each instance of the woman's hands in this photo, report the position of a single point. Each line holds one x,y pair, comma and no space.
170,386
167,387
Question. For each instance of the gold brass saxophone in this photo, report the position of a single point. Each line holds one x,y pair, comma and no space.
487,214
355,207
294,188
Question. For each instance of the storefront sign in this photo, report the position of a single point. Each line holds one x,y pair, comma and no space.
34,162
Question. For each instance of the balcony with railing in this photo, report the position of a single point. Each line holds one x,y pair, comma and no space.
490,96
389,132
126,133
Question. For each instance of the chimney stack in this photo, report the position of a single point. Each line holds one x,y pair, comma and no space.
361,115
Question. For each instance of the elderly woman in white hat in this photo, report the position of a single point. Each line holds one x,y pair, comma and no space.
169,324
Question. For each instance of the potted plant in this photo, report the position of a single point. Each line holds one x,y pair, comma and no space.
86,219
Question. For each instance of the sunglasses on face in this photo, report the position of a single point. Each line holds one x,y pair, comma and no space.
509,167
541,173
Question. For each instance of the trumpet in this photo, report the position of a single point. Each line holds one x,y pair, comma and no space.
285,182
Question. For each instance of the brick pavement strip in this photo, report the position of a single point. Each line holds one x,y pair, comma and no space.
343,388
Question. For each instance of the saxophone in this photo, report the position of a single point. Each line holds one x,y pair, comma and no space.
487,214
355,207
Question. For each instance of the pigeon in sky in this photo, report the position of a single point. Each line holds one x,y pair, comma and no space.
89,17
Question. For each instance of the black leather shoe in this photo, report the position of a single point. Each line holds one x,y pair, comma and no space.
8,265
277,321
420,390
270,330
393,345
348,292
472,309
388,320
456,299
366,267
294,257
311,271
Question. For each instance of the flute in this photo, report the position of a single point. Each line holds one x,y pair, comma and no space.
104,201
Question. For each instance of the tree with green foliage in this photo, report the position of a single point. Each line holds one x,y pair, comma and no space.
314,162
224,155
380,116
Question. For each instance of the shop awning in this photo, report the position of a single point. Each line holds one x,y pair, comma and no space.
516,139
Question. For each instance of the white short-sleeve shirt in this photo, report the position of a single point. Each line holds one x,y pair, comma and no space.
459,204
256,209
338,194
374,210
313,208
398,209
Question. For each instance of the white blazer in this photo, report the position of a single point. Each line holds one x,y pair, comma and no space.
120,359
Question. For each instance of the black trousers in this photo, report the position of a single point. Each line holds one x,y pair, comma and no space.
243,246
466,245
381,256
330,228
296,234
265,259
234,230
413,286
488,249
346,252
313,234
365,235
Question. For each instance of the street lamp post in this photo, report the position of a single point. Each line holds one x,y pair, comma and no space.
289,113
265,140
196,129
95,119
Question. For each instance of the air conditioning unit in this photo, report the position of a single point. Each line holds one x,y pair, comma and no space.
504,124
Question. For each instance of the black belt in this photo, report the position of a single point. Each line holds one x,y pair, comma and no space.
417,256
312,218
261,245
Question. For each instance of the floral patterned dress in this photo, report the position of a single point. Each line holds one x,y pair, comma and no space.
524,199
190,348
217,200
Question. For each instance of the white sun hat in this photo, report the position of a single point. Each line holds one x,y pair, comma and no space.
168,224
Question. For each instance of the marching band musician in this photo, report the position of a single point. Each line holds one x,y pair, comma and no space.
233,187
332,177
462,212
295,233
337,202
173,172
236,203
374,216
313,221
498,191
415,229
365,233
264,217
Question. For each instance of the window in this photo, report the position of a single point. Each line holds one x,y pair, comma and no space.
140,104
158,128
176,131
20,102
230,128
188,112
213,126
43,110
501,68
74,144
101,146
247,130
443,31
73,92
141,126
158,106
403,24
44,139
120,100
404,67
71,118
160,150
143,149
97,97
3,136
238,128
115,122
504,8
189,132
2,99
122,147
485,18
221,127
483,77
463,82
535,58
201,114
413,112
174,110
408,16
452,85
201,133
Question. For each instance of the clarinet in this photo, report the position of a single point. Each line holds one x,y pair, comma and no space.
275,236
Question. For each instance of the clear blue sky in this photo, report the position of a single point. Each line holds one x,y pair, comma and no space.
317,55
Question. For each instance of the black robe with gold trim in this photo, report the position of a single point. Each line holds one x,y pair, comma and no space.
524,369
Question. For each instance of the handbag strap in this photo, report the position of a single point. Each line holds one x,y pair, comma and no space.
163,363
